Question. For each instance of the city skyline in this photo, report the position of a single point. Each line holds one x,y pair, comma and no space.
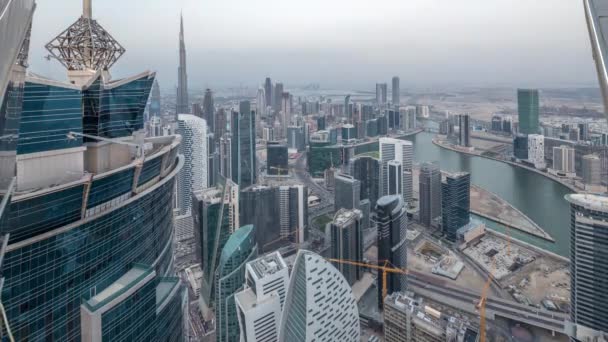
227,53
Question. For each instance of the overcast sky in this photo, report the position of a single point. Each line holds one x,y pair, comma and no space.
339,43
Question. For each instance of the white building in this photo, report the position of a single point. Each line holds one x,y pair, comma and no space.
563,161
407,118
292,200
320,305
193,176
260,304
423,112
403,152
536,150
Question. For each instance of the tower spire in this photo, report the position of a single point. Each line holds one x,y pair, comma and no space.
87,9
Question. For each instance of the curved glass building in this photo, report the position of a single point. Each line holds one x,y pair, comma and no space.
87,234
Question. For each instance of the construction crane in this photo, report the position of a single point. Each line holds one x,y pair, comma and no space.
386,269
481,306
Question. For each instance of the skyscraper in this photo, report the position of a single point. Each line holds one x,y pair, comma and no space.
293,212
268,92
305,317
592,170
430,194
367,171
455,203
536,150
347,242
277,159
403,152
193,176
395,178
121,225
155,106
588,276
396,92
260,304
229,278
182,103
528,107
260,103
563,160
242,126
225,146
209,110
278,97
381,94
391,218
464,137
347,193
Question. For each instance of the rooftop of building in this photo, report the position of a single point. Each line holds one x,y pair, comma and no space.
122,284
267,265
345,216
589,201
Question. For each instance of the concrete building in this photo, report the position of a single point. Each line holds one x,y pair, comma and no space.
588,245
391,219
381,94
520,147
209,110
193,176
563,161
260,303
229,278
296,140
464,136
347,242
394,178
347,194
306,318
455,203
278,97
429,190
528,110
367,171
293,212
536,151
423,112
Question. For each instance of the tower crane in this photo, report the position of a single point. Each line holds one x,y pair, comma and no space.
481,306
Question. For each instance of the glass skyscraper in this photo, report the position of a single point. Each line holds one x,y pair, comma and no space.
78,236
242,127
528,109
455,203
229,278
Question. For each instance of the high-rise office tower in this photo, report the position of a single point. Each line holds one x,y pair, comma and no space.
225,145
277,159
260,103
563,160
229,278
455,203
89,233
295,138
588,276
528,109
367,171
155,106
391,219
268,91
293,212
347,242
305,317
215,215
260,304
430,194
381,94
536,150
592,170
403,152
520,147
209,110
464,137
584,131
347,109
197,110
423,111
213,161
396,92
242,126
347,193
193,176
278,97
221,124
394,179
182,103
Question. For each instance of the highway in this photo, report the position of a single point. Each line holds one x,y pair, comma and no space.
439,290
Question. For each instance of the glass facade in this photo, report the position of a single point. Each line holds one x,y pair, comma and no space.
528,108
230,277
46,276
367,171
455,203
116,109
49,114
244,169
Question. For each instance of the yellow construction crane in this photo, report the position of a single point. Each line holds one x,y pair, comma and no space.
481,306
386,269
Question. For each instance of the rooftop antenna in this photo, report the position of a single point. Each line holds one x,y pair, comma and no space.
87,9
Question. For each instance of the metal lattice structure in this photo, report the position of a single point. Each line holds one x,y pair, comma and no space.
85,45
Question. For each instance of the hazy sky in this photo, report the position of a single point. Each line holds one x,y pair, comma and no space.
339,43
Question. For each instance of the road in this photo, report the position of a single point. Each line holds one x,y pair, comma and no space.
327,199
